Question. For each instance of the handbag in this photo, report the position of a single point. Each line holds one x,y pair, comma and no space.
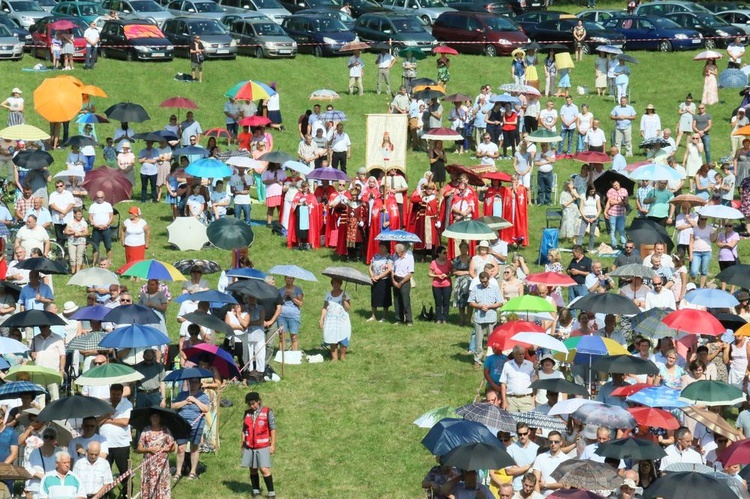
425,315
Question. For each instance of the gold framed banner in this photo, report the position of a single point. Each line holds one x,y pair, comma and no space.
387,135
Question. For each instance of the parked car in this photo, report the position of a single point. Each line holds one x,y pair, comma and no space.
479,33
144,10
715,30
262,38
561,31
402,30
717,7
42,35
655,33
22,34
318,34
500,8
23,12
297,5
202,8
426,10
46,5
360,7
10,47
599,15
529,19
330,12
88,11
271,8
737,18
217,43
134,40
667,7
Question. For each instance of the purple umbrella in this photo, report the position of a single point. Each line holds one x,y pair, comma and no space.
94,313
329,173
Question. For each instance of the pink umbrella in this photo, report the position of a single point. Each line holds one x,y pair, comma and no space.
442,49
220,359
62,24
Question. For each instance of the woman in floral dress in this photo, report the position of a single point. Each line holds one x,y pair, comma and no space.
710,85
156,443
570,224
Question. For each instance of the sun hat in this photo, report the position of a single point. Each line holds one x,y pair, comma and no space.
134,210
16,90
547,357
69,307
743,295
125,144
629,482
589,431
650,107
483,244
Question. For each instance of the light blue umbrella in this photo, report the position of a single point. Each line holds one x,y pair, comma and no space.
293,271
135,336
246,273
191,151
732,78
9,346
654,172
299,167
208,168
711,298
505,99
609,49
400,236
96,118
657,396
211,295
720,211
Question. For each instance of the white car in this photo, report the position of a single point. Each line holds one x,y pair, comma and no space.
737,18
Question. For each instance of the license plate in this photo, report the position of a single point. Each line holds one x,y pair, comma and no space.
285,51
696,41
157,54
222,51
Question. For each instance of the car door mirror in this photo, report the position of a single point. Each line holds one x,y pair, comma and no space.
126,11
192,11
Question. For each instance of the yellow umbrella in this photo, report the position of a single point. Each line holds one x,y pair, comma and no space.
564,61
23,132
93,90
57,100
75,80
419,88
743,331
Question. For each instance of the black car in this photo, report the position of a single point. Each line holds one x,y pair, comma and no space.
561,31
531,19
22,34
318,34
500,8
360,7
297,5
401,30
717,7
716,31
334,12
134,40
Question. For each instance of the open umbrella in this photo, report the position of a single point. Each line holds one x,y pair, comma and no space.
573,494
708,55
739,275
191,151
23,132
107,374
489,415
473,177
560,385
134,336
550,279
469,230
62,25
132,314
348,274
127,112
187,233
169,418
688,485
442,49
604,182
217,133
33,160
57,100
293,271
654,328
528,303
151,269
400,236
44,265
112,182
655,172
569,406
94,276
720,211
14,389
254,121
210,295
543,136
712,421
208,168
188,373
633,270
249,90
609,416
501,176
694,322
276,157
441,133
583,350
644,232
657,418
220,359
627,58
494,223
148,136
254,287
422,81
334,115
712,393
86,342
505,99
478,456
625,364
209,321
329,173
355,45
736,453
33,318
541,340
587,474
325,94
731,321
609,49
91,118
75,406
245,162
631,448
501,336
11,346
457,98
431,417
591,157
298,167
247,273
606,303
208,266
179,103
230,233
691,199
539,420
37,374
711,298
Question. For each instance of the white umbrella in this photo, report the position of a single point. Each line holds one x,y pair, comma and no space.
541,340
246,163
298,166
10,346
719,211
569,406
94,276
71,173
187,233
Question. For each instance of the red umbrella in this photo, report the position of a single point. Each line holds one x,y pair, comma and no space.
637,165
254,121
737,453
179,102
442,49
550,279
501,335
112,182
658,418
627,390
220,359
694,322
474,178
63,24
501,176
592,157
218,132
441,133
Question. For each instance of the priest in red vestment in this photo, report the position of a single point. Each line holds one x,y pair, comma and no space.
493,199
336,209
427,224
516,211
464,205
304,220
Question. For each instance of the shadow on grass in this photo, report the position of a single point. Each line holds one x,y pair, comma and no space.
238,487
463,357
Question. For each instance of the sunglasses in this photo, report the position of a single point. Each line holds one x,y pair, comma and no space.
48,437
98,363
523,434
126,301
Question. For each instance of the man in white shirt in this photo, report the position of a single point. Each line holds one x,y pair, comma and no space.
190,127
115,428
61,204
735,51
48,350
548,117
91,35
78,447
623,116
232,113
547,462
356,71
32,236
597,280
523,451
659,252
660,297
240,184
568,118
487,151
94,471
384,62
100,218
515,382
341,148
681,450
603,435
595,139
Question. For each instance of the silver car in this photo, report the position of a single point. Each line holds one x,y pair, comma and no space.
426,10
262,38
10,47
23,12
737,18
217,42
144,10
271,8
202,8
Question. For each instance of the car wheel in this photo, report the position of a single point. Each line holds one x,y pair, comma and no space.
102,53
710,44
665,46
318,51
259,52
490,50
129,55
427,20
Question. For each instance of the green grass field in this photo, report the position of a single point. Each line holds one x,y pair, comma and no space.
345,429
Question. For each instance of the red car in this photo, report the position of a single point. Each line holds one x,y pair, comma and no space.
479,33
42,34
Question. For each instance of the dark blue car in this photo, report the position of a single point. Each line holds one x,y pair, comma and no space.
319,34
655,33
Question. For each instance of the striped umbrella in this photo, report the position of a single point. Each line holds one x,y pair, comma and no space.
151,269
250,90
23,132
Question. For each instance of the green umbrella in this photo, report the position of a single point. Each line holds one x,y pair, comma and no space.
543,136
430,418
414,51
711,393
495,223
528,303
230,233
108,374
469,230
36,374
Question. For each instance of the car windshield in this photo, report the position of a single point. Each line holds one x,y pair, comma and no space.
89,10
432,4
145,6
207,7
268,29
592,25
711,20
407,25
322,3
46,3
5,31
328,25
268,4
5,21
207,28
664,23
27,7
499,24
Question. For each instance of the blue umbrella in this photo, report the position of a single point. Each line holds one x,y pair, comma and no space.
134,336
4,364
132,314
11,346
293,271
246,273
167,135
334,115
609,49
588,347
14,389
400,236
449,433
732,78
298,166
655,172
208,168
210,295
191,151
711,298
505,99
720,211
189,373
657,396
94,313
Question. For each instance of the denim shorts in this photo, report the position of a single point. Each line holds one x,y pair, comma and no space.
289,324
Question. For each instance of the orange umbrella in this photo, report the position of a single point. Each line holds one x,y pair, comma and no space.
75,80
57,100
743,130
93,90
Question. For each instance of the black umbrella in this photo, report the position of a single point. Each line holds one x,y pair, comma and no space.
254,287
560,385
604,182
11,288
276,157
631,448
627,58
553,46
429,93
79,141
149,136
33,160
76,406
167,135
688,485
141,418
422,81
33,318
587,474
44,265
731,321
127,112
644,232
739,275
624,364
132,314
478,456
532,46
209,266
209,321
606,303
